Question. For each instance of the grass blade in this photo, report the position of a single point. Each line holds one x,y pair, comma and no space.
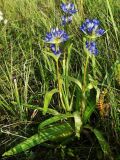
112,19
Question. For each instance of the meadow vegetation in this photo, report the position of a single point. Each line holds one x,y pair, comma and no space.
59,103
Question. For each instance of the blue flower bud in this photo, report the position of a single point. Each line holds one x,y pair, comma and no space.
91,47
68,8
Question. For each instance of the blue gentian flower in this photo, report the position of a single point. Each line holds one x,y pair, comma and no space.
56,36
91,47
100,32
68,8
90,27
66,19
55,49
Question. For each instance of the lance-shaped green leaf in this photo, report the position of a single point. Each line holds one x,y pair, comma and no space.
53,56
54,119
78,123
76,81
52,133
90,108
49,110
47,99
104,145
88,111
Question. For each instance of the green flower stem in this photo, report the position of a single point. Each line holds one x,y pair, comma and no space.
85,72
84,88
60,85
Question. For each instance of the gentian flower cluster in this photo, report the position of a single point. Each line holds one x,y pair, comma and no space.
91,30
90,27
55,37
69,10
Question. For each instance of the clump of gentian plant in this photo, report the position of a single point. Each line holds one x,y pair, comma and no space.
55,38
74,113
91,33
69,10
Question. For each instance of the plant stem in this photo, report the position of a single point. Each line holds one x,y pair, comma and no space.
60,85
83,105
85,72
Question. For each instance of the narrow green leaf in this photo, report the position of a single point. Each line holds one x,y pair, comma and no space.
78,123
104,145
76,81
53,133
53,56
89,86
98,93
88,111
47,99
54,119
5,105
49,110
93,84
27,144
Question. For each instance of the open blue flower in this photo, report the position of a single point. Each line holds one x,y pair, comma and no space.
100,32
68,8
91,47
66,19
55,49
90,27
56,36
